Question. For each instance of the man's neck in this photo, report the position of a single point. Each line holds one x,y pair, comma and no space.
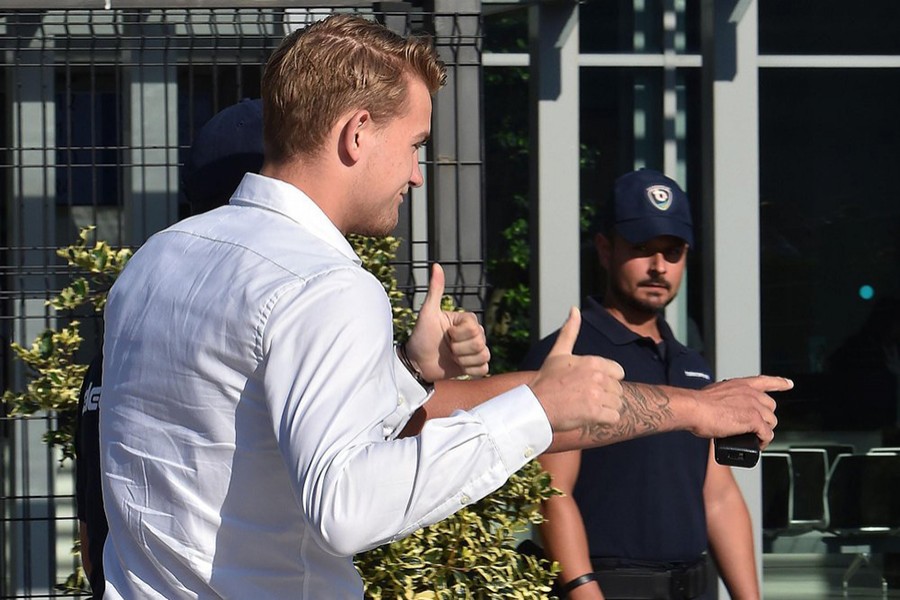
642,323
314,179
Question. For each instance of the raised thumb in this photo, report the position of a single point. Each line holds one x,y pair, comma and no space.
435,289
565,342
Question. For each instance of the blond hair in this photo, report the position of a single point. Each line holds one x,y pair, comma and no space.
341,63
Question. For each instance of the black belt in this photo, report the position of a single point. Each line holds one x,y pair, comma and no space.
676,582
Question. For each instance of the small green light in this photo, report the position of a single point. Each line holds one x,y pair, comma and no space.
866,292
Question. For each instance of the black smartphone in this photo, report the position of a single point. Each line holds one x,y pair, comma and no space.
737,450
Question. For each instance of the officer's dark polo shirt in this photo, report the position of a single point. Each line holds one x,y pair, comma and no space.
642,499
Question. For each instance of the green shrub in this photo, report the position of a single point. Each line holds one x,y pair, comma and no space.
54,375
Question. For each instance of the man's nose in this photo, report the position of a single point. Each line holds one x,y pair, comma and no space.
658,263
416,179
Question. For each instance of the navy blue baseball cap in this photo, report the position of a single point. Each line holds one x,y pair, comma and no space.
647,204
229,145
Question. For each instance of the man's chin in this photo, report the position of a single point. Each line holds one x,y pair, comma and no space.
653,304
375,230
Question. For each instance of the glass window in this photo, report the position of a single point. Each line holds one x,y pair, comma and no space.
829,27
632,26
505,28
830,244
625,26
88,151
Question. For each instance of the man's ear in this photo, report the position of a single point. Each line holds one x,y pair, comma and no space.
356,127
603,245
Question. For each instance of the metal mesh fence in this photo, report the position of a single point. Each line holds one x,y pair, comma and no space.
100,106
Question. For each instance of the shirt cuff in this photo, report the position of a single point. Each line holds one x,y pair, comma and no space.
518,425
410,392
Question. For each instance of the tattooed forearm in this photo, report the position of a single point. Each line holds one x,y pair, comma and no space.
644,409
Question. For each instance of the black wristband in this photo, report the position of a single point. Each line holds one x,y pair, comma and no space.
404,358
577,582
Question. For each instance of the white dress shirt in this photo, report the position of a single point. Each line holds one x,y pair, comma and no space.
252,398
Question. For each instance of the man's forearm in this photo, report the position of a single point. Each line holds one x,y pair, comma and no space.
85,548
565,541
725,408
463,394
646,409
731,541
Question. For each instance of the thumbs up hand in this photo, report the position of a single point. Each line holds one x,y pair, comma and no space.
578,392
446,343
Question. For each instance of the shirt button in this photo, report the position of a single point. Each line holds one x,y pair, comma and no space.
464,499
529,452
400,400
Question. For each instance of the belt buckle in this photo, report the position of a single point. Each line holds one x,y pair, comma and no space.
678,584
688,582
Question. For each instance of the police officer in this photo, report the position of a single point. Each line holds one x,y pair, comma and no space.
638,517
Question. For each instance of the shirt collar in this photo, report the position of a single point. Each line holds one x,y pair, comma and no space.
283,198
598,317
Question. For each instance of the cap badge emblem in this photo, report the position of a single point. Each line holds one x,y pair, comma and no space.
660,196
